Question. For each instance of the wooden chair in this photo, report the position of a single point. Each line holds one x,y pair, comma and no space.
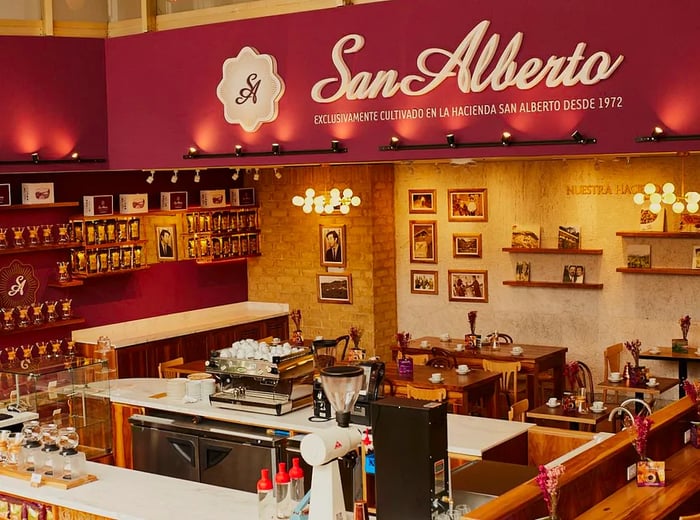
509,377
446,358
689,517
419,359
427,394
612,359
326,351
583,378
440,362
164,370
517,410
502,338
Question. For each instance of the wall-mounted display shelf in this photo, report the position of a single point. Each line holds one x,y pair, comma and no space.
552,251
107,273
51,325
554,285
37,249
659,270
682,271
658,234
65,285
40,206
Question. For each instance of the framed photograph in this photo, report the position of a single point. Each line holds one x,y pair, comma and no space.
468,286
422,201
525,237
466,244
522,272
332,242
573,274
467,205
639,256
167,249
696,257
423,235
335,288
569,237
424,282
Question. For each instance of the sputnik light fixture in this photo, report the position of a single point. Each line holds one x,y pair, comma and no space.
334,200
276,149
689,201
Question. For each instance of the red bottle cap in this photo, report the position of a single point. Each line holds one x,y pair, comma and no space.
264,484
296,471
282,476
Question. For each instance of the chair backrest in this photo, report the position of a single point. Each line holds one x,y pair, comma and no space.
326,350
446,358
517,410
509,374
419,359
440,362
502,338
427,394
612,358
165,371
582,378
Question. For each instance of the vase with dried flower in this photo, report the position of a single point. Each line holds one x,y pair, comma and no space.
297,337
356,353
405,363
681,344
649,472
637,374
692,390
548,481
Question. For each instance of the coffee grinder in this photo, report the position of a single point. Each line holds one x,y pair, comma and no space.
342,385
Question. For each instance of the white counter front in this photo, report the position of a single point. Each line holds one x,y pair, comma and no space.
182,323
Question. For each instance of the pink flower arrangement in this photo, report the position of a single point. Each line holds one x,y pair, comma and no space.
640,430
548,481
296,318
634,348
685,325
571,372
692,390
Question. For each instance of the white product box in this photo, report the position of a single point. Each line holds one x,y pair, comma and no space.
173,200
133,203
37,193
212,198
5,195
95,205
242,196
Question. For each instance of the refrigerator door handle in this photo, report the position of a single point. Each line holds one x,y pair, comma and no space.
184,448
214,455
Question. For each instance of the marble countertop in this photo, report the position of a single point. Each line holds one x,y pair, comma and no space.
135,332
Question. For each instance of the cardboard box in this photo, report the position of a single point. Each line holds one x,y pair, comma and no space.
173,200
5,196
212,198
133,203
95,205
242,196
37,193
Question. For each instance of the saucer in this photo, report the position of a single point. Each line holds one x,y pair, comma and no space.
652,386
697,352
445,340
554,406
436,380
462,373
614,380
425,346
597,410
655,351
516,353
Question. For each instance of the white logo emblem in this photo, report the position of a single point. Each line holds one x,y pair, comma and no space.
250,89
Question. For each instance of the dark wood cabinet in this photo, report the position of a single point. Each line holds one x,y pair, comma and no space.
194,346
132,361
277,328
253,330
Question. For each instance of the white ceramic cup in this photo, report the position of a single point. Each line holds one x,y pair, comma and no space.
424,343
552,401
463,369
459,347
437,376
652,381
615,375
276,341
517,350
597,405
445,337
208,387
194,388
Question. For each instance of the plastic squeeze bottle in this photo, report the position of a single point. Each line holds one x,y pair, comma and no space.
284,504
296,483
266,498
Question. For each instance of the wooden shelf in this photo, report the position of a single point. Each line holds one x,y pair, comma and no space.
63,285
40,206
555,285
658,234
38,249
107,245
659,270
201,261
229,232
84,276
552,251
53,325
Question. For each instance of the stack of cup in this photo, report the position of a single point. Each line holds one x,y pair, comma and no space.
194,389
175,388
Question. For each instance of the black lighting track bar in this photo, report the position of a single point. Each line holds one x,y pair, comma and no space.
277,150
506,141
35,159
657,135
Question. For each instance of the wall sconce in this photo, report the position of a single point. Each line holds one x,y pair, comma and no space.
197,177
658,134
336,201
35,158
173,179
667,196
505,140
275,150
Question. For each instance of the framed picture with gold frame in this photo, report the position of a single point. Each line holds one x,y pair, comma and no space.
334,288
424,282
466,245
468,286
422,201
167,245
333,245
467,205
423,238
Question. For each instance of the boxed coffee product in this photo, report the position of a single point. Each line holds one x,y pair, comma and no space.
212,198
37,193
95,205
242,196
173,200
133,203
5,197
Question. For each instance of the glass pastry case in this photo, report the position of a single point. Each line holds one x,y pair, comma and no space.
67,390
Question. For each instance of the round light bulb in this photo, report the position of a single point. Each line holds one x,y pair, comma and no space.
668,187
355,201
649,188
692,196
347,193
669,197
307,208
335,193
344,209
310,192
655,198
678,207
318,209
320,200
328,209
298,200
638,198
655,207
692,207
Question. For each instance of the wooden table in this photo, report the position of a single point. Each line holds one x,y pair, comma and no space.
666,354
190,367
470,388
544,414
535,360
664,384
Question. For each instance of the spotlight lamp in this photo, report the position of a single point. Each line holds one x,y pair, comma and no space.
275,149
197,177
192,151
278,174
451,140
505,138
173,179
234,175
658,134
151,177
256,175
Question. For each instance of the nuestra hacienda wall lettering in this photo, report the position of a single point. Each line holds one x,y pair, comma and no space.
474,71
604,189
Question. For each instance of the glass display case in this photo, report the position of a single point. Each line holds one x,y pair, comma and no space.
64,389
